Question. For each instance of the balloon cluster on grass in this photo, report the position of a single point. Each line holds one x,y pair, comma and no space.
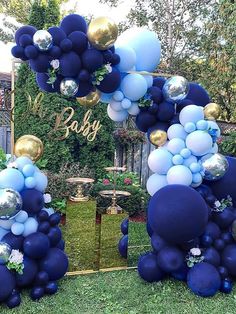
31,246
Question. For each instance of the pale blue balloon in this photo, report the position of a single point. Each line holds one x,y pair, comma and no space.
134,86
191,113
202,125
176,145
160,161
179,174
199,142
126,103
118,96
116,106
185,153
21,217
12,178
134,109
50,210
28,170
190,127
31,226
117,116
17,228
106,98
3,232
22,161
214,149
6,224
155,182
176,131
41,181
30,183
197,178
213,125
127,58
188,161
177,160
195,167
149,80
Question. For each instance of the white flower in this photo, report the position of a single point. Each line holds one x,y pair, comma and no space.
217,204
108,67
55,64
195,251
12,165
47,198
16,257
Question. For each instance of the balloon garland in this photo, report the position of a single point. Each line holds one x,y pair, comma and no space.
191,225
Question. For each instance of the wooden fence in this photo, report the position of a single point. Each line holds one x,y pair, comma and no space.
5,138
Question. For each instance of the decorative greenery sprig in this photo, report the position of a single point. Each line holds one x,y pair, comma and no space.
145,101
99,74
194,256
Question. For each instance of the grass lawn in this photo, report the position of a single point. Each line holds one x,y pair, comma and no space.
123,292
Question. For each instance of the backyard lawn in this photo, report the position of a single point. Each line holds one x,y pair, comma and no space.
123,292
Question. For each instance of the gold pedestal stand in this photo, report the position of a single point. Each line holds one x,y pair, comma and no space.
79,197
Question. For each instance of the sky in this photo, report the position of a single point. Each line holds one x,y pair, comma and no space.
82,7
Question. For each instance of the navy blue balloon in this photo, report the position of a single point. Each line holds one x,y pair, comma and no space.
40,64
223,219
29,30
226,286
181,273
112,49
55,52
107,55
54,236
17,52
211,256
204,190
84,75
227,237
219,244
157,242
36,245
33,201
43,216
156,94
198,95
79,41
123,246
7,283
211,199
170,259
57,34
158,126
177,213
66,45
29,273
37,293
149,229
204,280
111,82
175,119
223,272
206,241
228,258
148,268
13,301
51,288
55,264
15,242
153,109
125,226
70,64
190,244
42,81
25,40
115,59
41,278
145,120
61,245
55,219
84,89
73,22
92,59
166,111
159,82
212,230
31,52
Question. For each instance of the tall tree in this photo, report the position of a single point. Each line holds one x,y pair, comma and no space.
52,16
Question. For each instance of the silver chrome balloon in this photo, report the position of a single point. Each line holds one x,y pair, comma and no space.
175,88
42,40
69,87
10,203
5,252
215,166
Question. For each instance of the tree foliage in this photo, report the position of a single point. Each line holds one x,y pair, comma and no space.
52,16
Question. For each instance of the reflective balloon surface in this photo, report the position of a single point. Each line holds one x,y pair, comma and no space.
29,146
42,40
158,137
91,99
215,166
69,87
10,203
5,252
175,88
212,111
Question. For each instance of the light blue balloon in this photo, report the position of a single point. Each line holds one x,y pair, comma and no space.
214,149
134,86
177,160
6,224
126,103
106,98
127,58
28,170
176,131
202,125
179,175
160,161
117,116
185,153
195,167
12,178
17,228
30,182
214,125
199,142
41,181
190,127
155,182
50,210
21,217
118,96
31,226
176,145
134,109
23,161
116,106
197,178
3,232
149,80
188,161
191,113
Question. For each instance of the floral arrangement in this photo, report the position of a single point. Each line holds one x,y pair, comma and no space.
126,178
99,75
221,205
145,101
126,137
194,256
15,261
53,71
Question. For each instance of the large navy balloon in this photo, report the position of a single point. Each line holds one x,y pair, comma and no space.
148,268
198,95
29,272
123,246
33,201
36,245
7,283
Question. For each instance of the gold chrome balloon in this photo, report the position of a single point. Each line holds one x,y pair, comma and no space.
158,137
212,111
29,146
89,100
102,33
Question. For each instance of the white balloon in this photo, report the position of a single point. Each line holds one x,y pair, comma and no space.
191,113
179,175
155,182
134,109
160,161
176,131
117,116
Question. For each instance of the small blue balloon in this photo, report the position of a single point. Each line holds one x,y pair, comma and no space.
118,96
23,161
189,127
50,211
106,98
31,226
195,167
126,103
28,170
185,153
188,161
12,178
177,160
202,125
197,178
134,86
176,131
3,232
21,217
41,181
30,183
226,286
176,145
191,113
17,228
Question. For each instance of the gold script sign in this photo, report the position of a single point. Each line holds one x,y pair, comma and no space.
64,123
